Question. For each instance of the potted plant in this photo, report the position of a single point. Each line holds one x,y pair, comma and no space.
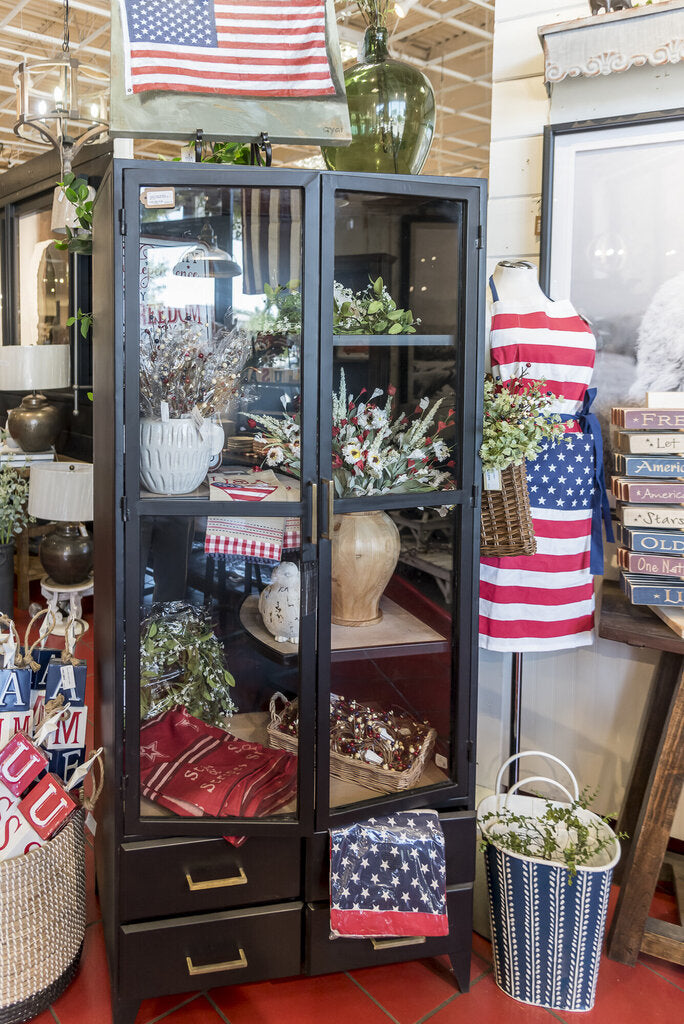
516,425
184,382
13,518
374,451
549,868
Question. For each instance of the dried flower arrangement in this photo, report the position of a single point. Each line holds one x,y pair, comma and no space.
182,664
372,452
178,366
517,421
371,311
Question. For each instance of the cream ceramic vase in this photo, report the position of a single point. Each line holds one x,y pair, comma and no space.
174,457
279,603
365,551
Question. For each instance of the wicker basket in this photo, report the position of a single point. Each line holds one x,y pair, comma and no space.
348,769
42,923
506,521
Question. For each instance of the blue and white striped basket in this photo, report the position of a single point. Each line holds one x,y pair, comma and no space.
546,935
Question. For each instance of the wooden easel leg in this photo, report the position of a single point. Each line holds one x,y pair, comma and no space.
651,805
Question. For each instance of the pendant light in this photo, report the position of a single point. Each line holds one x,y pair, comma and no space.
206,259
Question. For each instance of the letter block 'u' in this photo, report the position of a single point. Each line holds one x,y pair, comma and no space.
47,806
21,762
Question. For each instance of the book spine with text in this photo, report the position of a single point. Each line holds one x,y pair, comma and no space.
653,542
658,590
647,491
643,466
650,565
647,419
651,444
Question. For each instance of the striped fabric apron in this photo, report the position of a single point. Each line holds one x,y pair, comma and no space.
545,601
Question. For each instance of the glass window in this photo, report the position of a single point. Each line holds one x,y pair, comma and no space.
43,285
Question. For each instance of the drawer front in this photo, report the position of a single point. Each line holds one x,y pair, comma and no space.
459,848
185,876
324,954
209,950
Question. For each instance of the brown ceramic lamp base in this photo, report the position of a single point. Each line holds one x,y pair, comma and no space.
35,424
67,555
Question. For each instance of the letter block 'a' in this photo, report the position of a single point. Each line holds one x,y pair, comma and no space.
21,762
47,806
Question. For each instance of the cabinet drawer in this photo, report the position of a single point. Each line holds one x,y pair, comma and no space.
185,876
325,954
236,946
459,848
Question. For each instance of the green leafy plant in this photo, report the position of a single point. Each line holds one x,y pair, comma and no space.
372,311
564,834
228,153
517,421
77,192
84,320
182,664
13,504
282,313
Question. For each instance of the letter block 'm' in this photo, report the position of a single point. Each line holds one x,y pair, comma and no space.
21,762
47,806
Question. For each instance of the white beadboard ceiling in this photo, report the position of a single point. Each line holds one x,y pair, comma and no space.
451,41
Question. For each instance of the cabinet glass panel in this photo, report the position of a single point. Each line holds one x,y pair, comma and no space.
391,694
220,601
43,282
220,333
397,337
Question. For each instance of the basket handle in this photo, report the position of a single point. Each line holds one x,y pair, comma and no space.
537,778
27,661
276,716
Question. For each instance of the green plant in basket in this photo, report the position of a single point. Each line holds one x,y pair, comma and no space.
517,421
562,835
372,311
182,664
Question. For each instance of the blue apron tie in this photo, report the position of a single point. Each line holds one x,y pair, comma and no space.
493,290
600,508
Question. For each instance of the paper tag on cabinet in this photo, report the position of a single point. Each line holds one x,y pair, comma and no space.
491,479
158,198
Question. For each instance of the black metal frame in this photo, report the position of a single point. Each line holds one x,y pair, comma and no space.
120,602
551,132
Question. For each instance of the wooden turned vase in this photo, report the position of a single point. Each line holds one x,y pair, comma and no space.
365,551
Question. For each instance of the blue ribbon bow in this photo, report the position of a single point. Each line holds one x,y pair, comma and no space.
600,508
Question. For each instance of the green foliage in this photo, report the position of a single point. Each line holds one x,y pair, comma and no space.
563,834
85,321
76,191
372,311
517,421
182,663
228,153
282,313
13,504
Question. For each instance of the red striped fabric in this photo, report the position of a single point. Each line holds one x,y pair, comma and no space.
269,48
545,601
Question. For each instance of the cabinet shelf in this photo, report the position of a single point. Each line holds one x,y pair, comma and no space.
384,340
398,632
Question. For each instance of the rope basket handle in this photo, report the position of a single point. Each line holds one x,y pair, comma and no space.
27,661
276,717
89,802
537,778
71,639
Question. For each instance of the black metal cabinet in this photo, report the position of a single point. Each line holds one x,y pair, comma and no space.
244,268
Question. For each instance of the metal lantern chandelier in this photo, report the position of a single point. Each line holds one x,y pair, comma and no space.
60,101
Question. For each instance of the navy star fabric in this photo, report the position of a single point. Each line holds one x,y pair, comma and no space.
562,475
388,877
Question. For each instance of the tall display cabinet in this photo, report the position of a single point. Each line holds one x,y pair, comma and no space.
195,249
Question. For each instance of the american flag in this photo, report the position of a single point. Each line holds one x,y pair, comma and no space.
235,47
549,595
388,876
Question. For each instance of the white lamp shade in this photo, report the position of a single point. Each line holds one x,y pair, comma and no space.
34,367
61,491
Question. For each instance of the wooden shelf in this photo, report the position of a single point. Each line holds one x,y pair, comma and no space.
377,340
398,632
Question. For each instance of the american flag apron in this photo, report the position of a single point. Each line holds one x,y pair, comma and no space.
545,601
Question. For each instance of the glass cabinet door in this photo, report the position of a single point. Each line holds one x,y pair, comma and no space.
399,341
220,529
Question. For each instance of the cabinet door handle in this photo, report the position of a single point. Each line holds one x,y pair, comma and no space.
406,940
228,965
330,492
216,883
314,512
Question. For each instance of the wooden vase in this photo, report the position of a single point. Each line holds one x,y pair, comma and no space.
365,551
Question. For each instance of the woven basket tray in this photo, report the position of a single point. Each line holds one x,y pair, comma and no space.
348,769
42,923
506,521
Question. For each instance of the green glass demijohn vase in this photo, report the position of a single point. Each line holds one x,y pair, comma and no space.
391,110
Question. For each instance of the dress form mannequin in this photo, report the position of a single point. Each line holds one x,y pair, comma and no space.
516,281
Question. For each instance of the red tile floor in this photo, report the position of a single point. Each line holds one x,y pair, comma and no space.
652,992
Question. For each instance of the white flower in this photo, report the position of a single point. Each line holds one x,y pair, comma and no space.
274,455
400,479
376,394
378,418
424,402
363,421
440,449
351,453
417,455
375,464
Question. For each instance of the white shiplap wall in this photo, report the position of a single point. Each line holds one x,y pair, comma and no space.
584,705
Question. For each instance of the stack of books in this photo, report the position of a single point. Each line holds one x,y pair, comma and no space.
649,488
10,456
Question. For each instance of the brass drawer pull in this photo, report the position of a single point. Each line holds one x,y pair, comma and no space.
229,965
405,940
216,883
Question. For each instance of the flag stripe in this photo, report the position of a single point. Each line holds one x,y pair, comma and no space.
494,594
539,321
533,628
551,355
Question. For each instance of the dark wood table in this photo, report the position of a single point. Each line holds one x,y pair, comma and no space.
654,787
